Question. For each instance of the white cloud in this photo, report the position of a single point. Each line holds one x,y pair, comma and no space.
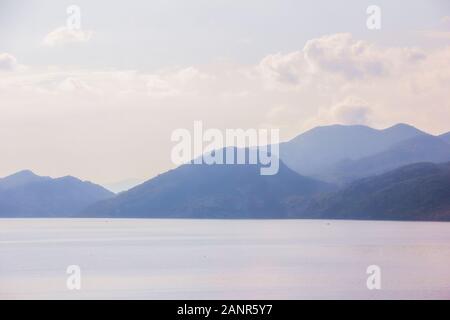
324,59
75,85
64,35
341,54
176,82
190,74
160,88
349,111
8,62
68,112
287,69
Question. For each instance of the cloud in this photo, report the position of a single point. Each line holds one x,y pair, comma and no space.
64,35
176,82
350,111
445,20
160,88
293,91
75,85
67,112
8,62
287,69
341,54
190,74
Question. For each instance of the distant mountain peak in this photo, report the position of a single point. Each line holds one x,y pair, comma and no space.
69,178
399,125
124,185
20,178
404,127
25,194
23,173
334,127
316,150
343,129
339,125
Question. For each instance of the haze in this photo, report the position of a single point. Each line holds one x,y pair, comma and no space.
101,105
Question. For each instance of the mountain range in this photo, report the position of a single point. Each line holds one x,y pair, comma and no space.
316,151
413,192
421,148
26,194
211,191
331,172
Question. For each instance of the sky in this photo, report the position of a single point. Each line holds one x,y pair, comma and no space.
100,102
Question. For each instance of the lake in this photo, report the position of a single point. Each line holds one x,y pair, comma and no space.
223,259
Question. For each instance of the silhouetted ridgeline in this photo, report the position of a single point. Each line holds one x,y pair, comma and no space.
211,191
333,172
25,194
413,192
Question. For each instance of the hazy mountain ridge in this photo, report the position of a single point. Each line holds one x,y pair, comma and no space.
27,195
183,192
379,168
422,148
414,192
123,185
19,179
319,149
211,191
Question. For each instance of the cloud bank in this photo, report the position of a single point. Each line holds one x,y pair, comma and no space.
63,35
71,113
8,62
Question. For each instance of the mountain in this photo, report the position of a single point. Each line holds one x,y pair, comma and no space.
211,191
20,178
414,192
320,148
123,185
376,165
27,195
422,148
445,137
